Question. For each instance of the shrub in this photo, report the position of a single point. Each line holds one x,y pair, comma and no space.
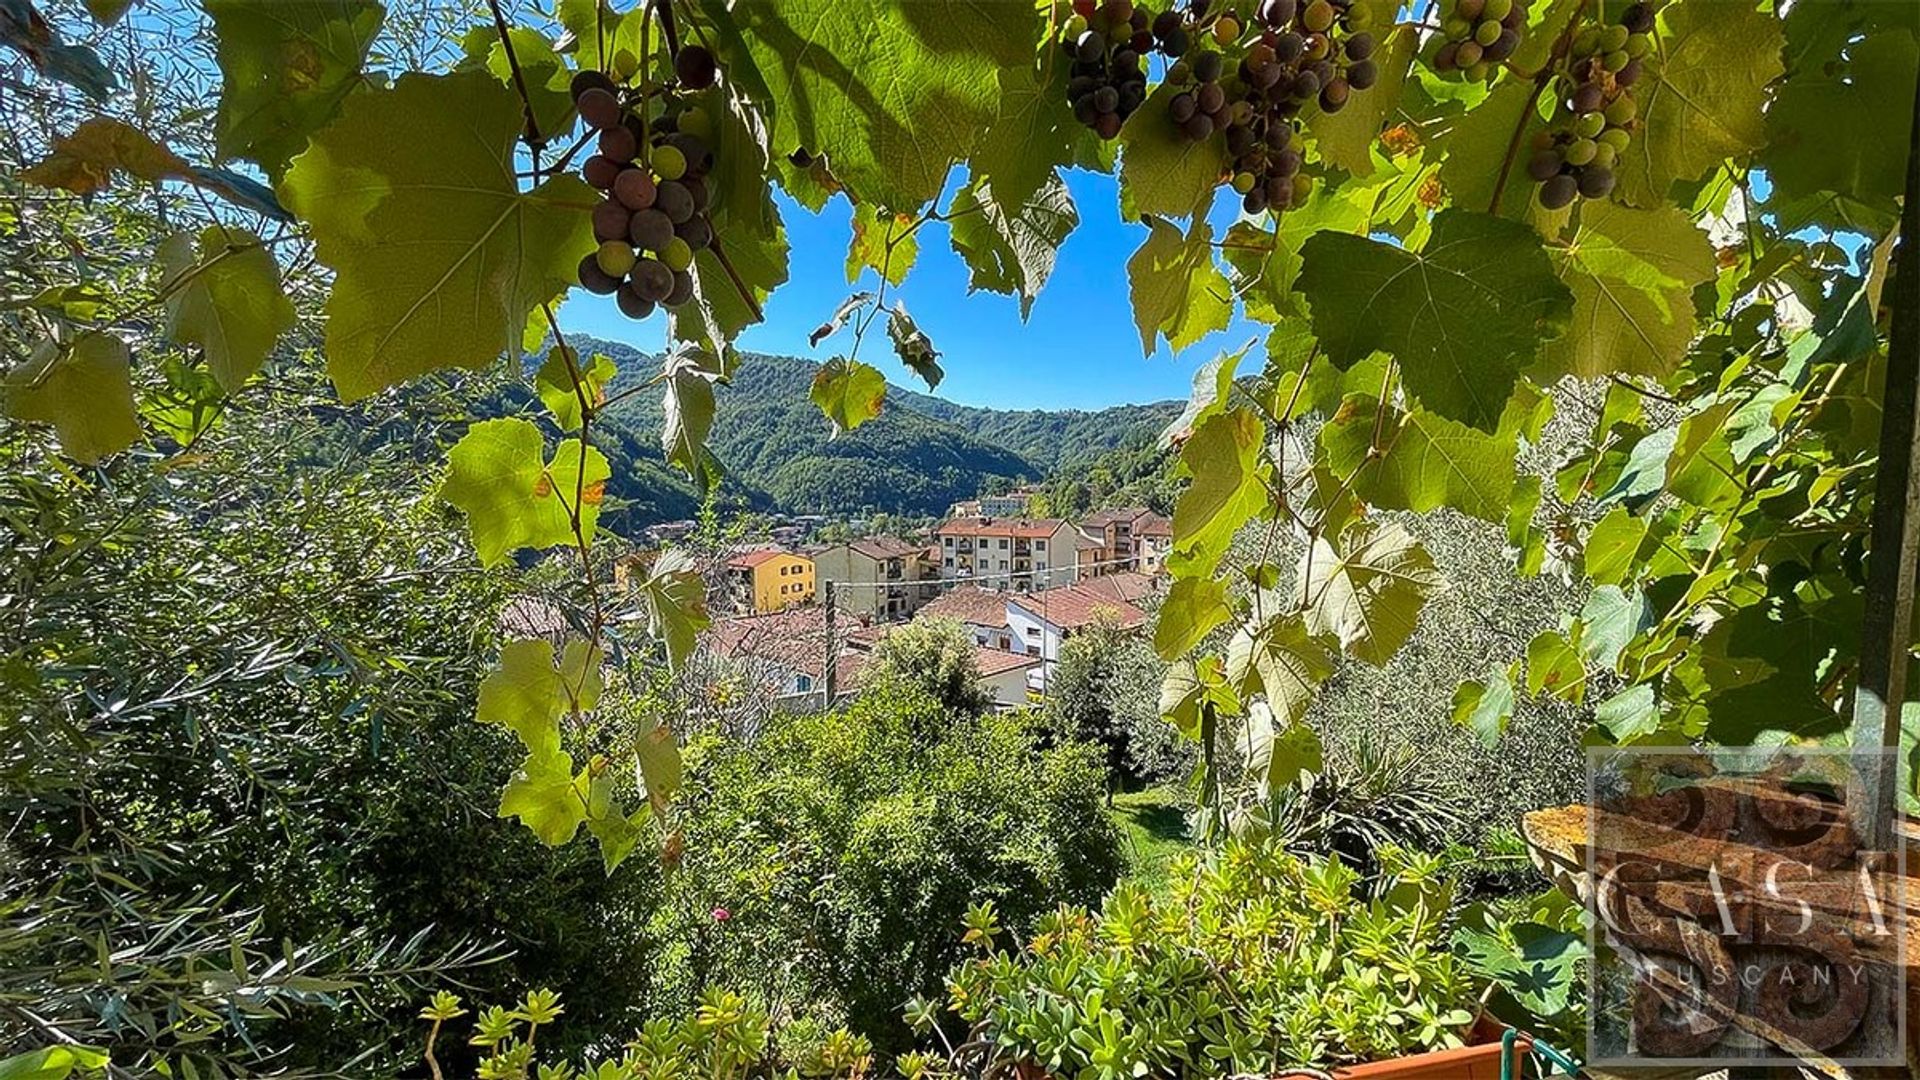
827,861
935,655
1257,961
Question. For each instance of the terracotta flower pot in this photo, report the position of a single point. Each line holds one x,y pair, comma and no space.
1479,1062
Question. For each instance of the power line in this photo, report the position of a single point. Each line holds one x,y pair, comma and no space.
1007,574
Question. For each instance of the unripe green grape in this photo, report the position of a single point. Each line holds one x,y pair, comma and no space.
1613,37
1076,25
1302,187
1479,71
615,258
1496,9
1616,60
677,254
668,162
1604,156
1618,138
1318,16
1359,16
1486,33
1580,151
1243,182
1621,111
1587,41
1457,29
1638,44
1469,9
1590,125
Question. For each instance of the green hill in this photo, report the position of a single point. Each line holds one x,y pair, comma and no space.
920,455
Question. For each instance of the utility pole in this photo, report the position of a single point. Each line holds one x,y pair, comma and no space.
827,671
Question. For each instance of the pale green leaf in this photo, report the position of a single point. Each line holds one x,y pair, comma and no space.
1194,606
513,497
1485,707
1367,593
1462,316
1281,660
547,798
657,765
675,599
1554,667
524,696
1011,247
849,392
605,40
885,243
83,389
1279,755
1428,461
1212,387
1703,98
1609,621
1613,546
225,296
1476,154
1033,134
1632,274
1161,170
1265,264
555,382
1229,489
1177,290
891,94
285,68
1629,715
688,408
1346,138
53,1063
438,257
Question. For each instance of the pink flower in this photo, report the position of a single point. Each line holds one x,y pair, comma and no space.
721,914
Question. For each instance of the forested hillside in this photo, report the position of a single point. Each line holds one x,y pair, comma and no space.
919,456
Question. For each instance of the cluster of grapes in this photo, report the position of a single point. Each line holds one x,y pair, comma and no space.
1479,36
1595,119
654,175
1300,52
1108,42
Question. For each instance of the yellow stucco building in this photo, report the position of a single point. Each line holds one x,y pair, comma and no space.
770,580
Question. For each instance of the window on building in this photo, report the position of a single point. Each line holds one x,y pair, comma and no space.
803,683
1039,545
1003,543
1003,564
1033,631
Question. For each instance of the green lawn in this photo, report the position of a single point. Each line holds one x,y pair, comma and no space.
1154,825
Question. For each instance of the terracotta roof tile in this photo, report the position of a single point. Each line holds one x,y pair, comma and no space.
1030,528
1072,607
969,604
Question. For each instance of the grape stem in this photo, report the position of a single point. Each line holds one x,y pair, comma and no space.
1540,82
720,254
533,136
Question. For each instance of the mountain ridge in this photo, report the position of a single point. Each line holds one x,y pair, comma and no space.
917,457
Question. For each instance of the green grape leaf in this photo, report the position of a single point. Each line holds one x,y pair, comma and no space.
1537,964
1282,660
108,12
885,243
688,406
549,81
618,835
1826,128
1554,667
913,346
1614,546
891,94
1476,157
1265,264
1629,715
555,384
1189,686
1428,461
225,297
1229,489
1212,387
657,765
1193,608
1609,621
1161,170
849,392
527,695
285,68
83,389
1346,138
605,40
1632,274
1367,594
547,798
84,162
513,497
674,597
1485,707
1463,315
1011,247
1033,133
1280,756
760,261
1178,291
54,1063
438,257
1704,100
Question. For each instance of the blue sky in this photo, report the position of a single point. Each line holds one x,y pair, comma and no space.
1079,348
